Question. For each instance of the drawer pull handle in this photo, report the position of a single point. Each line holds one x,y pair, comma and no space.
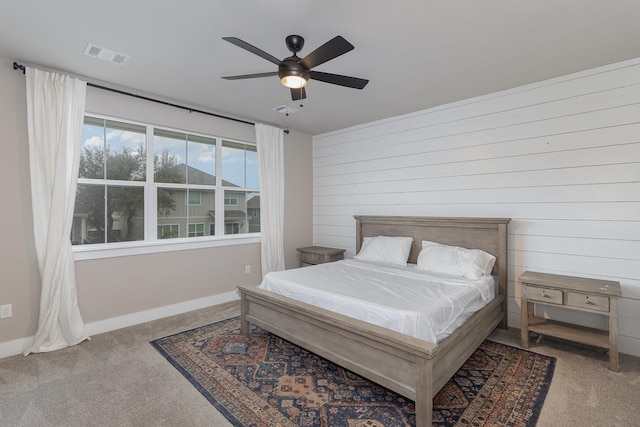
588,301
544,295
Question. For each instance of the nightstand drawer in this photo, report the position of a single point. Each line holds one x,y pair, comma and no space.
312,258
318,255
551,296
590,302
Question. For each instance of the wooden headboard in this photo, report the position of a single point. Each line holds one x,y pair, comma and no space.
487,234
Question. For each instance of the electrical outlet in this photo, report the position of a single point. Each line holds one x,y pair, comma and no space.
247,269
6,311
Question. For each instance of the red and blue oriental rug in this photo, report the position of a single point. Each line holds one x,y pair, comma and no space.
264,380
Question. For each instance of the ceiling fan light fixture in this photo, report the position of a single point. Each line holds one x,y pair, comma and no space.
293,74
294,82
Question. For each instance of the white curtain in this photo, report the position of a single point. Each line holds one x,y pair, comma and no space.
55,110
270,145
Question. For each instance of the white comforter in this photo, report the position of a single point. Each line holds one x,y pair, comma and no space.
411,301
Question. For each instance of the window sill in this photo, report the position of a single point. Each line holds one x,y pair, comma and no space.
89,252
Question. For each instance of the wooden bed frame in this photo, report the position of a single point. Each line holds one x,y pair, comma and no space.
412,367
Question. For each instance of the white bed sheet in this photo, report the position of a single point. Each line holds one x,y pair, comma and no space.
422,304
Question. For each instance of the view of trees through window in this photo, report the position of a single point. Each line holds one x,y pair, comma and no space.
117,200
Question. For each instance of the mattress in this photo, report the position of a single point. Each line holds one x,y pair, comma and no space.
414,302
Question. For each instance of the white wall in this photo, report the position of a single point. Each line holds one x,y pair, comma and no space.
559,157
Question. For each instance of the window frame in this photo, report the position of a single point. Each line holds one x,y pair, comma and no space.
151,243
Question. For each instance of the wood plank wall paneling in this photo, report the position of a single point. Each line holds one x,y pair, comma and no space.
559,157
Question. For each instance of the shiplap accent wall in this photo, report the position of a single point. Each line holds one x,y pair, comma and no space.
559,157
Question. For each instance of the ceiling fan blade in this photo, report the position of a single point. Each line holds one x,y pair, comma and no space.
337,79
333,48
251,48
298,94
251,76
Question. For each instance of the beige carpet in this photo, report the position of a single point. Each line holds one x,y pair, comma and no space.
119,379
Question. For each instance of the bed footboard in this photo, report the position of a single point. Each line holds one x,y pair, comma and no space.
384,356
409,366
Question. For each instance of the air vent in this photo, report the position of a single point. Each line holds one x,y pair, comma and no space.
285,110
105,54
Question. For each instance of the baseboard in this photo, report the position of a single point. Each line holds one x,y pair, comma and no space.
127,320
12,348
629,345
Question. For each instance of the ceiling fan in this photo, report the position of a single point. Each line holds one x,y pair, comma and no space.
295,72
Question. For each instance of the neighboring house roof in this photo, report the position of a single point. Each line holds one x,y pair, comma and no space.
197,176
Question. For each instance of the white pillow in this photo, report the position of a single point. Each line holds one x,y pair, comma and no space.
393,250
454,260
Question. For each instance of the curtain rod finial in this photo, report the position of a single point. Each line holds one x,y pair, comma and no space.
17,66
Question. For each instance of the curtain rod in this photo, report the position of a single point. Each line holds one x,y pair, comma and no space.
21,67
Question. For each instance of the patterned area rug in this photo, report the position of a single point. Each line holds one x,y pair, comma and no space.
264,380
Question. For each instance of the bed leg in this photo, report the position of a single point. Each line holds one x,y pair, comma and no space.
244,324
244,327
424,394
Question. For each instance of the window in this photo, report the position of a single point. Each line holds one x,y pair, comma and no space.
231,228
194,198
110,200
230,198
240,164
196,230
139,182
168,231
240,170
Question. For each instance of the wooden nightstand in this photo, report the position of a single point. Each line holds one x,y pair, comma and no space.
318,255
573,293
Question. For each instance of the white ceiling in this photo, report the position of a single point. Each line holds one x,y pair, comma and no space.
416,54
